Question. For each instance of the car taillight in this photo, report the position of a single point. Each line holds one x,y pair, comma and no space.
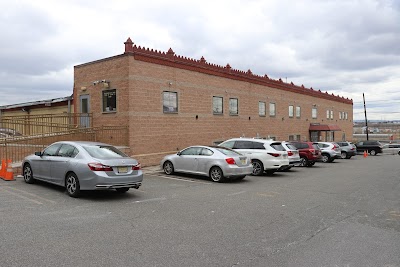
290,153
312,151
136,167
99,167
274,154
352,148
230,161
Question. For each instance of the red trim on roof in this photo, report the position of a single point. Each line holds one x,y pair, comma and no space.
172,60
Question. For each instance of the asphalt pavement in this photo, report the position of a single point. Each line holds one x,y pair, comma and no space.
345,213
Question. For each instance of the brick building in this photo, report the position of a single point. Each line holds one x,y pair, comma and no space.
170,102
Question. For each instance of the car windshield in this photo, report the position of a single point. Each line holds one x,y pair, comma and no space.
228,152
104,152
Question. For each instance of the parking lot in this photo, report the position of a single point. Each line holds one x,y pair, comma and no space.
345,213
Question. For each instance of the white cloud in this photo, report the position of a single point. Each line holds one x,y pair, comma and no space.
345,47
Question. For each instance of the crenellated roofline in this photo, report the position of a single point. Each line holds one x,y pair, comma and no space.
171,59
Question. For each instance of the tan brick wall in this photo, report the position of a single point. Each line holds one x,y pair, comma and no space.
139,104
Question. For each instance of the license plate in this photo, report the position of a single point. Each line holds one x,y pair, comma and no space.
122,169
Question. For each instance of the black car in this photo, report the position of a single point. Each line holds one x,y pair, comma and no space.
372,147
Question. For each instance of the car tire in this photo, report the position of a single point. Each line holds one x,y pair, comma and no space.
72,185
216,174
122,190
258,168
372,152
168,168
326,158
343,155
398,153
303,162
28,174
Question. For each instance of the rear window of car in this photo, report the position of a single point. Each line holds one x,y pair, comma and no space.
228,152
291,147
104,152
278,146
315,146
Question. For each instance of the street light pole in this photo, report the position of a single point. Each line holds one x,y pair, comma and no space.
365,113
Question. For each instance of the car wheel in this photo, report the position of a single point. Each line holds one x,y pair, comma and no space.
258,168
372,152
168,168
72,185
28,174
398,153
326,158
343,155
303,162
216,174
122,190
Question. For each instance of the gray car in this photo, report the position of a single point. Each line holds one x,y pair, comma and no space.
329,151
83,166
348,149
218,163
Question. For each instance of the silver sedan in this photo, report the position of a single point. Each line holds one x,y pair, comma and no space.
218,163
83,166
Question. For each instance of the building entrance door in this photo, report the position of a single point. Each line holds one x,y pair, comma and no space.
85,110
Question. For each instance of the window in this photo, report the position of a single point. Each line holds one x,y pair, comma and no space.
261,108
290,111
328,114
51,150
191,151
233,106
314,113
331,114
340,115
170,102
67,151
345,116
218,105
272,109
110,100
298,112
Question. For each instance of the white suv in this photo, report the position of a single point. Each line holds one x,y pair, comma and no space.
330,151
266,155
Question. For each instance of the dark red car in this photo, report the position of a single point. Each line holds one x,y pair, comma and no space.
309,152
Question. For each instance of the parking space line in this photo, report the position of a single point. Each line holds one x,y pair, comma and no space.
34,195
181,179
20,196
150,200
237,193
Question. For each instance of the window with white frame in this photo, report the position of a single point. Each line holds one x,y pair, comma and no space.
272,109
291,111
328,114
298,112
340,115
170,102
331,117
261,108
345,116
233,106
218,107
314,113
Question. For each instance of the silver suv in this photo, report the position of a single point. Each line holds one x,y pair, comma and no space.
348,149
329,151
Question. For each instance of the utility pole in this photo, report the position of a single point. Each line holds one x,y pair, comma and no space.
365,113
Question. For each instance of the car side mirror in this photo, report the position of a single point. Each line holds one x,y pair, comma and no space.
38,154
179,153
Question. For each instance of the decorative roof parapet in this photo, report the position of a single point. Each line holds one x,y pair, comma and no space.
201,65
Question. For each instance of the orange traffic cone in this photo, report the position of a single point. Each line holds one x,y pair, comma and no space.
9,174
365,154
3,168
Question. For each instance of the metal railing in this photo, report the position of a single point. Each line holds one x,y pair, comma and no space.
48,123
18,147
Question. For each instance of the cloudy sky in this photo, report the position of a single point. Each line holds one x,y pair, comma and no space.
345,47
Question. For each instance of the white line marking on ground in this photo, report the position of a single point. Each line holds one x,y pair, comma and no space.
34,195
23,197
237,193
181,179
150,200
